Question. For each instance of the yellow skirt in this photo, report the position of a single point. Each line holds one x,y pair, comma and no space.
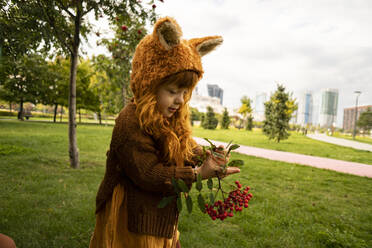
111,229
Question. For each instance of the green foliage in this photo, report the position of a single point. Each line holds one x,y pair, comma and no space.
246,108
278,112
249,125
210,121
225,119
195,115
129,30
202,119
25,80
365,120
246,111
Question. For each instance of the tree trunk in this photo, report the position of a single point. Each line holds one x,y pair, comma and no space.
100,118
10,106
20,113
73,149
55,112
60,116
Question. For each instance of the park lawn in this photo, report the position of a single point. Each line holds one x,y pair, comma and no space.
296,143
363,139
44,203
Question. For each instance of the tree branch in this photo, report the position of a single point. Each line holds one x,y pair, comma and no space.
51,22
66,9
87,11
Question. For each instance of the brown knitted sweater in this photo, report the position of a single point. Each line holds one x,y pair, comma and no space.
133,160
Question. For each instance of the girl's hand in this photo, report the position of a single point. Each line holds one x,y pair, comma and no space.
221,150
212,165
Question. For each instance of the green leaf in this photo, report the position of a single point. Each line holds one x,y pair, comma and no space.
165,201
212,145
179,203
182,185
199,184
201,203
210,183
189,203
211,198
233,147
217,154
175,186
237,162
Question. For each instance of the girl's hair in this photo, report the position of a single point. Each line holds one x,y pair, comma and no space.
174,133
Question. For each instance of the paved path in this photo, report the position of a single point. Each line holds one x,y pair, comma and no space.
341,142
289,157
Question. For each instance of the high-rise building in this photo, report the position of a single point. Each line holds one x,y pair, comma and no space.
215,91
202,102
349,116
259,107
305,109
328,108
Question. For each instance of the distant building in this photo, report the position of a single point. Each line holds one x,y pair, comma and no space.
349,116
215,91
305,109
328,108
202,102
259,107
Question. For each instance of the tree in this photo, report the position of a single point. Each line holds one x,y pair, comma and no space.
278,112
225,119
56,86
64,23
246,111
128,33
86,95
249,125
195,115
365,120
25,81
19,44
210,121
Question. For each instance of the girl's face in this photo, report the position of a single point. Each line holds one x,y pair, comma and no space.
170,98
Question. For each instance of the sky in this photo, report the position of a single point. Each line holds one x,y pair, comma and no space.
304,45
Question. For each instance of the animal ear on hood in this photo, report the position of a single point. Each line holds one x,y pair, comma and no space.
168,32
206,44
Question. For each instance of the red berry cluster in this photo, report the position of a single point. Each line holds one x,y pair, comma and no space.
235,201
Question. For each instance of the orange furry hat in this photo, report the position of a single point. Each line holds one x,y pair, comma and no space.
163,53
159,55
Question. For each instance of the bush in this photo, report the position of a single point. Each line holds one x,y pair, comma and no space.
249,123
7,113
225,120
210,121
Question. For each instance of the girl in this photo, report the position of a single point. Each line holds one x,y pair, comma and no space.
151,143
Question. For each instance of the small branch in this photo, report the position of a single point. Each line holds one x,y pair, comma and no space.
51,22
66,9
87,11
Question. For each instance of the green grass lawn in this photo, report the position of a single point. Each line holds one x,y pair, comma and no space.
363,139
296,143
44,203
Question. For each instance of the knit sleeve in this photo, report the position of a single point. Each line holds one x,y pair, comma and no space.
197,158
139,159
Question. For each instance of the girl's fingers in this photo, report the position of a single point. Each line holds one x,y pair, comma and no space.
232,170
